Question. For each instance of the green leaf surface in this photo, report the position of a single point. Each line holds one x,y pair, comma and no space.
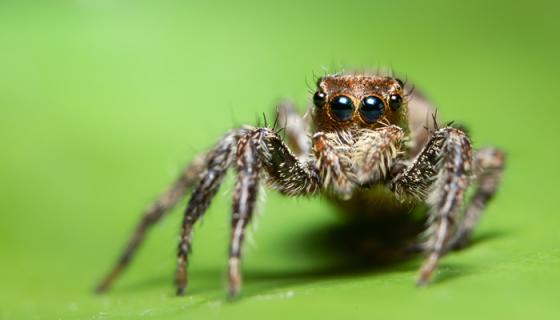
102,102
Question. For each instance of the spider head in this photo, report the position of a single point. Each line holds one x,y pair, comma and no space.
358,101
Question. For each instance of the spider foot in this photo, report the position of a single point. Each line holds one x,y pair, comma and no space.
234,277
427,269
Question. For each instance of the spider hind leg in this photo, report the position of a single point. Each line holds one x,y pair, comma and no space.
154,213
488,165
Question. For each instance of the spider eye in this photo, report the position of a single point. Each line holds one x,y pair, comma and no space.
395,101
319,99
371,108
342,108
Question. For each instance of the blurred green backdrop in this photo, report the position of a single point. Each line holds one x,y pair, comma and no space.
102,102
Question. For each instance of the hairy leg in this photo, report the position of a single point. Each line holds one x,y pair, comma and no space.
488,167
217,163
440,176
244,198
153,214
251,150
262,150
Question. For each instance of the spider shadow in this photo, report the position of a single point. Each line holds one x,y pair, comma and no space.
349,249
356,249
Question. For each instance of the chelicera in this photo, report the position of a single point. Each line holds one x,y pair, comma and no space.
366,134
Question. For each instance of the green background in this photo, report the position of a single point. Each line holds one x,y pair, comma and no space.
102,102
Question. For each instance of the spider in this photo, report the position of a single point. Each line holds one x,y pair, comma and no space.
372,136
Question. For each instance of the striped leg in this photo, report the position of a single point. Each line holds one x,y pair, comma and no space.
217,163
253,151
261,150
244,198
439,176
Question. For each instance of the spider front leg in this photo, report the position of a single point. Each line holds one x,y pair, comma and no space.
440,176
217,163
258,151
244,198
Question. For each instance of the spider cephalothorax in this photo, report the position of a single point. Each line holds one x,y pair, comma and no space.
372,139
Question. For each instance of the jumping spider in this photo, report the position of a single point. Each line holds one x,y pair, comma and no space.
370,134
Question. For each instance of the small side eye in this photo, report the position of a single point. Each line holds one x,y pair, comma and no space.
395,102
319,99
342,108
371,108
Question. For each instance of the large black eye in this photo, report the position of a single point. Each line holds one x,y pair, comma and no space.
319,99
371,108
342,108
395,101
